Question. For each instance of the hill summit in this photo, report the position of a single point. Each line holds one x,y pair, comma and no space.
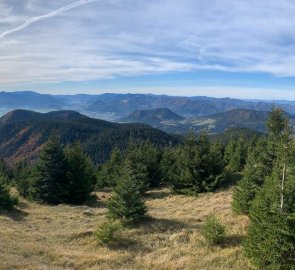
27,115
22,134
152,117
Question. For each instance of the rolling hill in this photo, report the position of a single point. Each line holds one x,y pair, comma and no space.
216,123
152,117
22,134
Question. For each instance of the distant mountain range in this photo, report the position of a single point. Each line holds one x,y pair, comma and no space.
114,106
22,134
28,100
170,122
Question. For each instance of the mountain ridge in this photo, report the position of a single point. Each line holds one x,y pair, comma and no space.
110,106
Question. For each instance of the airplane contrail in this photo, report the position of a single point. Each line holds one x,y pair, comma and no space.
45,16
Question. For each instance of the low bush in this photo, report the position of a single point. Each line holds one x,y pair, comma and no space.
6,200
213,231
107,232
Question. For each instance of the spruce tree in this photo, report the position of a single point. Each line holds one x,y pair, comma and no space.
80,175
184,177
236,159
271,233
49,177
152,158
209,165
198,167
126,203
138,165
110,171
6,201
219,148
275,124
260,161
23,178
169,166
4,172
229,151
254,173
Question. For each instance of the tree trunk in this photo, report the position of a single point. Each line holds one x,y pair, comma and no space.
283,188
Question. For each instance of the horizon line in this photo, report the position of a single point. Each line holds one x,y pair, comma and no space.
144,94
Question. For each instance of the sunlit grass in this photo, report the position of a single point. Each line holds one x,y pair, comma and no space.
61,237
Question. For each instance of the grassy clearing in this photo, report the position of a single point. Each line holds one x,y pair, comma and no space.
61,237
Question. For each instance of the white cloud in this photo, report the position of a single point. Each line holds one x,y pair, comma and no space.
51,14
63,40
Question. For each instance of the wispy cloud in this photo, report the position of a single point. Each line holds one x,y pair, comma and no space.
54,13
115,38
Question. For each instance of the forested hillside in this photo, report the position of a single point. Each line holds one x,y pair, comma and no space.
22,134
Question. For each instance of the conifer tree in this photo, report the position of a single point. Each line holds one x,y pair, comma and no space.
229,151
80,174
169,166
218,148
198,167
6,201
49,177
110,171
184,177
254,173
4,171
260,161
237,158
271,234
209,164
275,124
126,203
152,158
138,165
23,178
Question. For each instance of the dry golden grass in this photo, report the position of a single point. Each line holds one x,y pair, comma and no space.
61,237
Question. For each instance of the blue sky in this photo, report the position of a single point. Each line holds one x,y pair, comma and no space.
242,49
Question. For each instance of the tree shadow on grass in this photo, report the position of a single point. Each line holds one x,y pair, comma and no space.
95,202
151,225
233,240
124,243
15,214
158,194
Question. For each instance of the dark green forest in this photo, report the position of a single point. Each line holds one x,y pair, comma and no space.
22,133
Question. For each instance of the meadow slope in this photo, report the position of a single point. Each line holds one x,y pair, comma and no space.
61,237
